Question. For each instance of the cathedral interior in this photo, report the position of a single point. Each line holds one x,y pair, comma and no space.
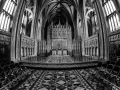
59,44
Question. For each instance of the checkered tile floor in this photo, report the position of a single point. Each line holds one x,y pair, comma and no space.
61,80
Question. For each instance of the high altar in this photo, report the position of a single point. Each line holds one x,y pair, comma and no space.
59,39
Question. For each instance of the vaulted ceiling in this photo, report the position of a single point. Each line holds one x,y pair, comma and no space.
59,9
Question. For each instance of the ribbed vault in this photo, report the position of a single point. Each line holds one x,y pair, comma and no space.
59,10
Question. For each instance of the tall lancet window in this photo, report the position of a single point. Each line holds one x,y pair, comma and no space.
111,14
7,14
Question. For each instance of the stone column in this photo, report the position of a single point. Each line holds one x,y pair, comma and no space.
15,36
103,31
34,19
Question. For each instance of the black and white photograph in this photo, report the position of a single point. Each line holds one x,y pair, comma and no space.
59,44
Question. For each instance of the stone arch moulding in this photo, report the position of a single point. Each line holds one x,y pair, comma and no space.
103,54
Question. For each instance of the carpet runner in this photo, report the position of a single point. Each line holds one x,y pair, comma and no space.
55,80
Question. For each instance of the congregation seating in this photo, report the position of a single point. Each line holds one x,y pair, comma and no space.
104,78
110,67
109,71
10,71
93,80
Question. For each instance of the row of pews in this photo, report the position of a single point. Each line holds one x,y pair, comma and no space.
104,77
11,74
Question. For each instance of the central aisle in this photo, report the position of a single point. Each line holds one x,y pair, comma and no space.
55,80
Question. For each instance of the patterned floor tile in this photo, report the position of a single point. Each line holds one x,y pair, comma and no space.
29,82
61,80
